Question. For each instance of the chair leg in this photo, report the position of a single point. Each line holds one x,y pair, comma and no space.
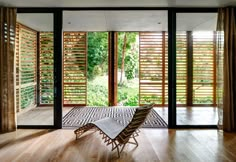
118,152
122,147
135,141
78,132
116,147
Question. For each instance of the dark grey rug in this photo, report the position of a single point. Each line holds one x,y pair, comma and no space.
79,116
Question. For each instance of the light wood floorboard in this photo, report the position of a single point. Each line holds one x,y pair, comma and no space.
192,115
155,145
39,116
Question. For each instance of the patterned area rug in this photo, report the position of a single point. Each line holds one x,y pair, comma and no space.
79,116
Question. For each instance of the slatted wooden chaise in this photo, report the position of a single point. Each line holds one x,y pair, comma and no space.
115,134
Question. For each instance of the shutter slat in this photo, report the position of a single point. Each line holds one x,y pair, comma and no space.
26,50
152,68
181,68
75,68
46,68
203,68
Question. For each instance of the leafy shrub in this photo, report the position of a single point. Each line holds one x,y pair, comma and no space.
130,67
97,70
97,95
132,101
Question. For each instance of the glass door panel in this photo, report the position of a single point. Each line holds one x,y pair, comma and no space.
34,69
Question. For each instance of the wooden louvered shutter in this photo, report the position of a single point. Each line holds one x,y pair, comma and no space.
46,68
204,68
26,52
165,70
152,68
17,66
75,68
181,68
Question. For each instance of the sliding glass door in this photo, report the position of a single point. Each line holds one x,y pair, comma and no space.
196,68
34,69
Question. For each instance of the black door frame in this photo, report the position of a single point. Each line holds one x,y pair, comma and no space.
173,14
58,20
57,71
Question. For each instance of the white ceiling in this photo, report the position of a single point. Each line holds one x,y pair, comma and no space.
196,21
115,20
39,22
120,21
117,3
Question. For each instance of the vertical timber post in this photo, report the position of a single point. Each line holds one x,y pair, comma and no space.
112,72
189,68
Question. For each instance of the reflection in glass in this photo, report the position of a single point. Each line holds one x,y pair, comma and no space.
34,69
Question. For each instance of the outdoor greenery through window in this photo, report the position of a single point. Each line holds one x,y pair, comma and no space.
142,68
128,68
97,70
97,57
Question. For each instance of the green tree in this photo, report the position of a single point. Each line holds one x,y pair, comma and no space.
97,53
127,54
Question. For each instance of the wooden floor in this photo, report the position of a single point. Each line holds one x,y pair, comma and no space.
39,116
192,115
185,115
155,145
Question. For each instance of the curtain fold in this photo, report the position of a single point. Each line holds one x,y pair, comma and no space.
7,50
226,70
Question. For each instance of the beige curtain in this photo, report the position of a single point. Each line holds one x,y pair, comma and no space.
227,68
7,41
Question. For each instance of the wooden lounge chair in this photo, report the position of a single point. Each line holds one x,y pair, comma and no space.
115,134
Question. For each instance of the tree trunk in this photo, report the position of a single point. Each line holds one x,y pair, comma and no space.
123,61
